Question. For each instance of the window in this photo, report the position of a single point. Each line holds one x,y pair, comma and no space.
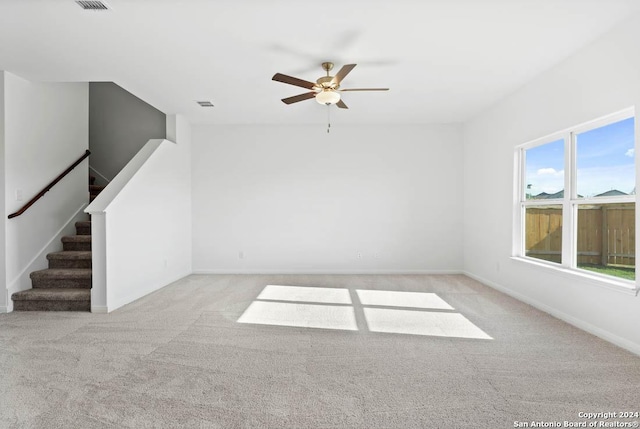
576,204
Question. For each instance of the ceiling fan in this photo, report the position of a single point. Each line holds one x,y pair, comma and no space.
326,90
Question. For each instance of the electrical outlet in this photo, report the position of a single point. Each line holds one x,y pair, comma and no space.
359,255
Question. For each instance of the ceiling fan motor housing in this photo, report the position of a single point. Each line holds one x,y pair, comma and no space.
326,83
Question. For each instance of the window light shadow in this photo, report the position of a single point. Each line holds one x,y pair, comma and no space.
305,294
300,315
402,299
437,324
338,308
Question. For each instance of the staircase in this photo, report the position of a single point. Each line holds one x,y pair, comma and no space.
66,284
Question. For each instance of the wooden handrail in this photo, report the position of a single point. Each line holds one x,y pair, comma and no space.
49,186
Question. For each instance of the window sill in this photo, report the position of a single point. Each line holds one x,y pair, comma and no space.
624,286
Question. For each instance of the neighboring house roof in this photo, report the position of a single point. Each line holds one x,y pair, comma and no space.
545,196
611,193
560,194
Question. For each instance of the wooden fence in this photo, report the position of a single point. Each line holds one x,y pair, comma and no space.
606,234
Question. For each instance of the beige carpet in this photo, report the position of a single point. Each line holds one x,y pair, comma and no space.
309,352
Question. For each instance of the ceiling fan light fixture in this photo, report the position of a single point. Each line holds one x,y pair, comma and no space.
326,90
327,96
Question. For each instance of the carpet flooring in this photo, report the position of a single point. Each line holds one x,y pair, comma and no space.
321,351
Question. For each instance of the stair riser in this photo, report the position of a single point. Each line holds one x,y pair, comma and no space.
54,283
70,263
83,230
76,246
52,305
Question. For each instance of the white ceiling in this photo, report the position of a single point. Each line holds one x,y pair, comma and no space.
445,61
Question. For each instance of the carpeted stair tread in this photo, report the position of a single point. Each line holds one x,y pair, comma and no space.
76,239
95,189
70,254
62,273
67,294
83,227
61,278
75,259
76,242
52,300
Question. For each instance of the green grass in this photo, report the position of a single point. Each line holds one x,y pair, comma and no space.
621,272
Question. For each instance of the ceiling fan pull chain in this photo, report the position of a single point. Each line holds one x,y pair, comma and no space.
328,118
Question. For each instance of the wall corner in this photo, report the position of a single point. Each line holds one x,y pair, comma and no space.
172,128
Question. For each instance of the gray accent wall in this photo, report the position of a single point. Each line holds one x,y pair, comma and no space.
119,125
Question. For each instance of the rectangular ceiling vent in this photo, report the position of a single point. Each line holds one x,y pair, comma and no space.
205,103
93,5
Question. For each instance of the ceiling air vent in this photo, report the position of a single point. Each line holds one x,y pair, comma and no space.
93,5
205,103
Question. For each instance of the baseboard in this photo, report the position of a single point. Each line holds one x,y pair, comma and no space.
578,323
328,272
98,309
3,310
15,284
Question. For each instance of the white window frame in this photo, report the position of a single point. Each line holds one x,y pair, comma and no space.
569,202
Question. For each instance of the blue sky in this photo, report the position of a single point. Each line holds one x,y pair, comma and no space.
605,161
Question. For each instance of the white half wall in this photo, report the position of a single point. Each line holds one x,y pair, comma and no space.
602,78
142,223
363,199
46,130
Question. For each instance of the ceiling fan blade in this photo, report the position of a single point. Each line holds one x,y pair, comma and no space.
363,89
342,73
301,97
293,81
341,105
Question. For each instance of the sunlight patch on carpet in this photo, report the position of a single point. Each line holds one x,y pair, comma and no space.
300,315
436,324
420,313
402,299
323,295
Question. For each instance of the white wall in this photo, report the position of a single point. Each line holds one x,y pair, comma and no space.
46,130
142,223
600,79
4,296
296,199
